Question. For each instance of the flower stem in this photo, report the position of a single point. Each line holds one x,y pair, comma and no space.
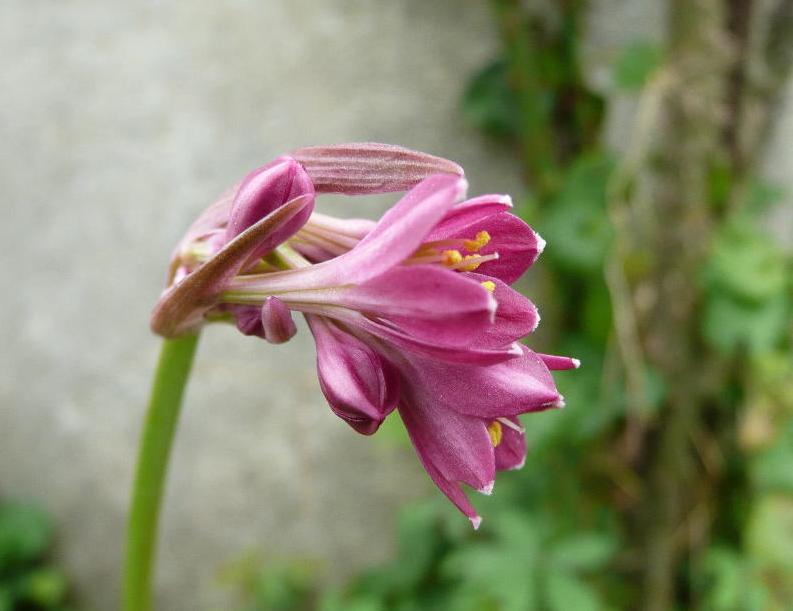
173,371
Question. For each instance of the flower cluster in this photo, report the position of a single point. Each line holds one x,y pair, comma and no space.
413,312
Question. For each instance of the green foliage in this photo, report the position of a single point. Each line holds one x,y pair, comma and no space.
748,285
272,586
489,102
576,224
635,64
27,580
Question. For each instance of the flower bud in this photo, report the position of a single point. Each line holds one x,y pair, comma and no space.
361,387
276,321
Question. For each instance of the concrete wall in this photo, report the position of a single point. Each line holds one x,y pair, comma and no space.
118,123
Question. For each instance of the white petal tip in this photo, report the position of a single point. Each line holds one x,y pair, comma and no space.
540,243
475,522
559,403
462,188
519,466
576,363
506,200
487,490
515,350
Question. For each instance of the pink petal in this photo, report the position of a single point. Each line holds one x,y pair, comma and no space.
357,228
361,387
509,388
276,321
511,452
406,342
457,446
516,315
247,318
559,363
470,212
264,190
212,220
397,235
182,306
426,302
516,243
451,489
369,167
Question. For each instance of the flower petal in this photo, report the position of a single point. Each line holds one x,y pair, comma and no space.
402,340
471,211
356,228
516,315
451,489
457,446
509,388
210,221
182,306
276,321
361,387
369,167
424,301
396,236
559,363
264,190
516,243
511,452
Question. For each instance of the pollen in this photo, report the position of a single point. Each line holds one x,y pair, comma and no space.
481,239
489,285
496,433
472,266
451,257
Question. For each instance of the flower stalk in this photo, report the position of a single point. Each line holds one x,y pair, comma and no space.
170,380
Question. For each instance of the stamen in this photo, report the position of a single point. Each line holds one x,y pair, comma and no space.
509,424
451,258
496,433
481,239
489,285
470,262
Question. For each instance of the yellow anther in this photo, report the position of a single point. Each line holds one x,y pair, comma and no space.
489,285
472,266
451,257
481,239
496,433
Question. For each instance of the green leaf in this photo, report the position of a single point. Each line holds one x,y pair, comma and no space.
583,551
770,533
723,582
419,541
45,586
747,264
772,470
25,533
636,63
564,593
730,323
760,196
490,104
576,224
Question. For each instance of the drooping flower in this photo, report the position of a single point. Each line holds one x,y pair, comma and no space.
413,312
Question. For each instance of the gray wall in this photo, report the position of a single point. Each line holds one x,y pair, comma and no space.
118,123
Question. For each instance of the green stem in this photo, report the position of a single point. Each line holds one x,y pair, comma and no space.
173,371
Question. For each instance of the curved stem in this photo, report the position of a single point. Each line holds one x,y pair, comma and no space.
173,371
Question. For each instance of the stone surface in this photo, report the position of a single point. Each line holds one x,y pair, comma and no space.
118,123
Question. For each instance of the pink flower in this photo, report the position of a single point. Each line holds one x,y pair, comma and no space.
413,313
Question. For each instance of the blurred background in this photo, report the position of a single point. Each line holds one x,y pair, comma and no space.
648,141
